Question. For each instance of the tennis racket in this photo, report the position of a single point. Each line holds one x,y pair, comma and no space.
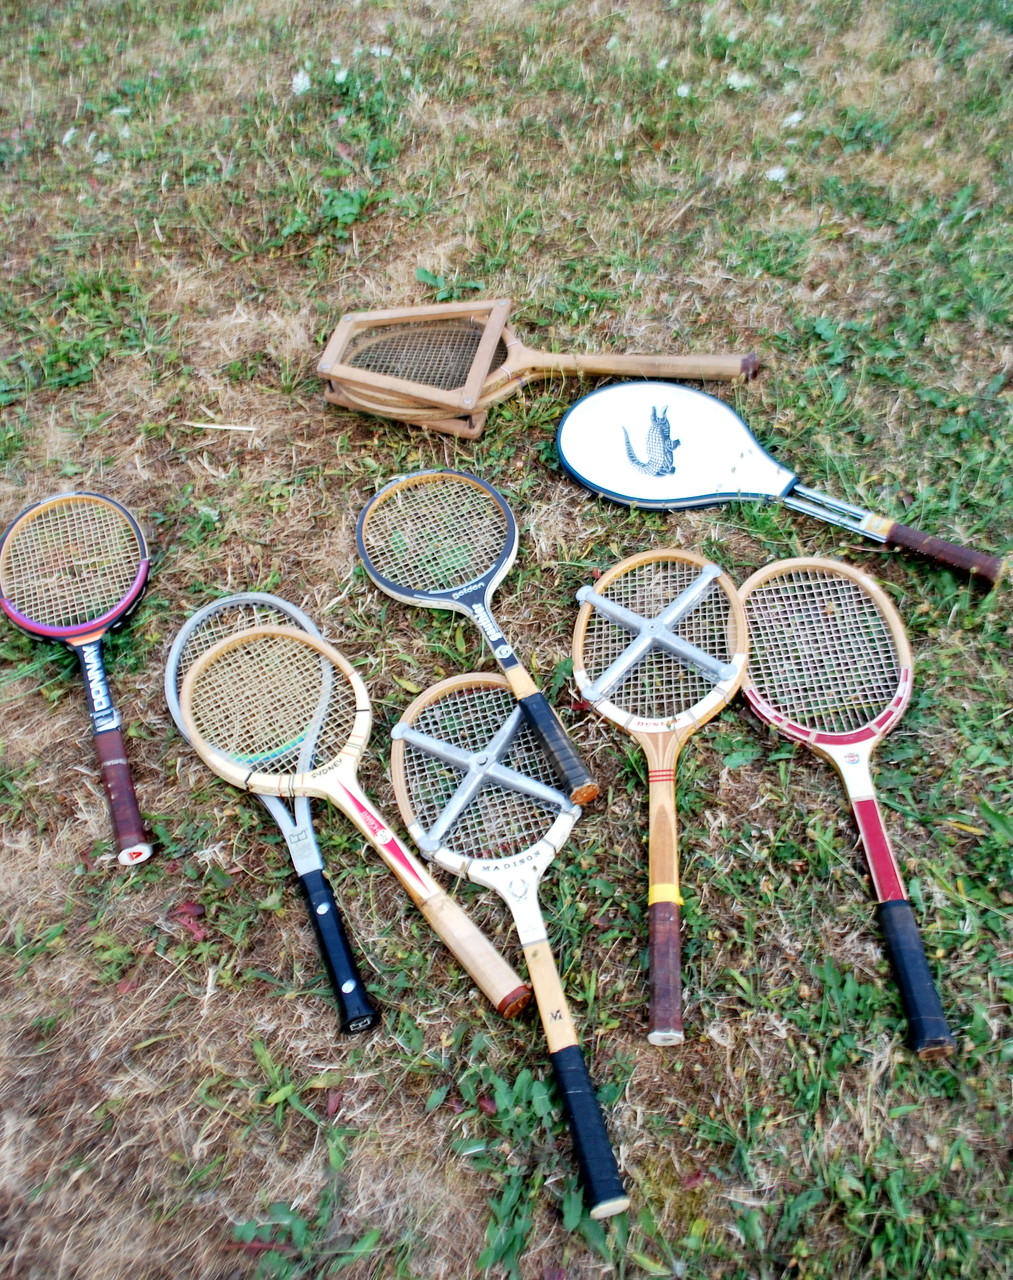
445,540
71,568
652,444
478,795
461,357
830,666
659,647
248,706
230,616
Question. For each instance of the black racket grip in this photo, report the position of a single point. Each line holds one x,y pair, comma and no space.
580,786
930,1037
354,1008
596,1161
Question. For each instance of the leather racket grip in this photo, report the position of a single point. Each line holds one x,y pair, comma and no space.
132,843
355,1011
930,1037
596,1161
580,786
665,974
978,564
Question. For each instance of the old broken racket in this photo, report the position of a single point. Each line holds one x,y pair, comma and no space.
250,703
71,568
830,666
445,540
230,616
654,444
478,795
659,647
430,363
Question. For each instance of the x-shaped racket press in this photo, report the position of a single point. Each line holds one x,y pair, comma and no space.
479,769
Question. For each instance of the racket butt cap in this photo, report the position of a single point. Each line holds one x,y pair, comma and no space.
514,1003
585,794
134,855
609,1208
666,1037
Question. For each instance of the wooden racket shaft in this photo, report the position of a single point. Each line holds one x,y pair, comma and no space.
477,791
445,540
831,667
659,648
229,616
249,702
71,568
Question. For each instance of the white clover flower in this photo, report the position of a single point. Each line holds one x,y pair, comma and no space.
381,50
613,43
125,131
301,83
736,80
341,75
662,63
683,91
795,118
102,157
68,137
777,174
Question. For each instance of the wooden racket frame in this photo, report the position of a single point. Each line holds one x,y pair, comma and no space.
661,742
516,879
422,404
336,781
851,754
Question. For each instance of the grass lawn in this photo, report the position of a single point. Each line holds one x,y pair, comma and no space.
192,194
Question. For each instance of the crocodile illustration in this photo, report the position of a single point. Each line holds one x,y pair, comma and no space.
660,447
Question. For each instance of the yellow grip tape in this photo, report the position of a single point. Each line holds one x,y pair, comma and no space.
664,893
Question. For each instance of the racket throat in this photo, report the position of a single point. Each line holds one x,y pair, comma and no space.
104,716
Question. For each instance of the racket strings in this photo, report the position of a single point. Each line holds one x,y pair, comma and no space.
821,651
227,621
659,686
433,353
499,821
435,534
260,701
70,563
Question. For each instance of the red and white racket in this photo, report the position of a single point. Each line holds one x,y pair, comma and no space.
830,666
71,568
282,713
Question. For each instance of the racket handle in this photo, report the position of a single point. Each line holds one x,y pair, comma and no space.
978,564
355,1011
930,1037
580,786
505,991
665,977
599,1173
132,843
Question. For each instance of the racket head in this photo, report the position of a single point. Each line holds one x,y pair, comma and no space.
72,566
243,611
662,445
409,537
662,694
260,706
437,355
501,833
830,661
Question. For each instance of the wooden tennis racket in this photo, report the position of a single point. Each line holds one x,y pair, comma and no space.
445,540
230,616
478,795
71,568
830,666
428,364
659,647
248,706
